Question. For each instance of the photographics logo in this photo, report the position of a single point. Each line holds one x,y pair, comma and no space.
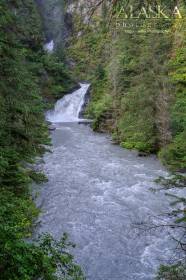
156,19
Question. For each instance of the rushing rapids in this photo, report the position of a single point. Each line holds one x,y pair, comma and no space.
99,193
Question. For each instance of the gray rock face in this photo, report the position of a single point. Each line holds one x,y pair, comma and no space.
53,17
57,18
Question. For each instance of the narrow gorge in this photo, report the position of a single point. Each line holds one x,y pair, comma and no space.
92,140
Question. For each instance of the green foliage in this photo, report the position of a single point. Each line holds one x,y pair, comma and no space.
26,74
177,181
174,155
16,216
100,103
44,259
23,132
56,78
23,260
138,82
174,272
177,219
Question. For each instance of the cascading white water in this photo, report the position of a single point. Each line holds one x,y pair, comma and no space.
68,108
49,47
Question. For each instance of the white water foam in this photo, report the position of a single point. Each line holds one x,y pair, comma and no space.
49,47
68,108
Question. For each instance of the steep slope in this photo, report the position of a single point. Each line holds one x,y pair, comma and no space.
26,74
137,80
52,14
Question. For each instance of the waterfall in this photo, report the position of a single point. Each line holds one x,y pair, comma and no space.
68,108
49,47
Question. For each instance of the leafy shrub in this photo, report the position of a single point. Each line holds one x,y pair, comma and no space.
174,272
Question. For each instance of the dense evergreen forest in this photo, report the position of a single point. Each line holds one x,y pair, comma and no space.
138,95
29,78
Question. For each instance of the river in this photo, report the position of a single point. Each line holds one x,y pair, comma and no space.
98,193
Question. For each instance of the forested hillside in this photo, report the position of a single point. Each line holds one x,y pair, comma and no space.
28,78
138,91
